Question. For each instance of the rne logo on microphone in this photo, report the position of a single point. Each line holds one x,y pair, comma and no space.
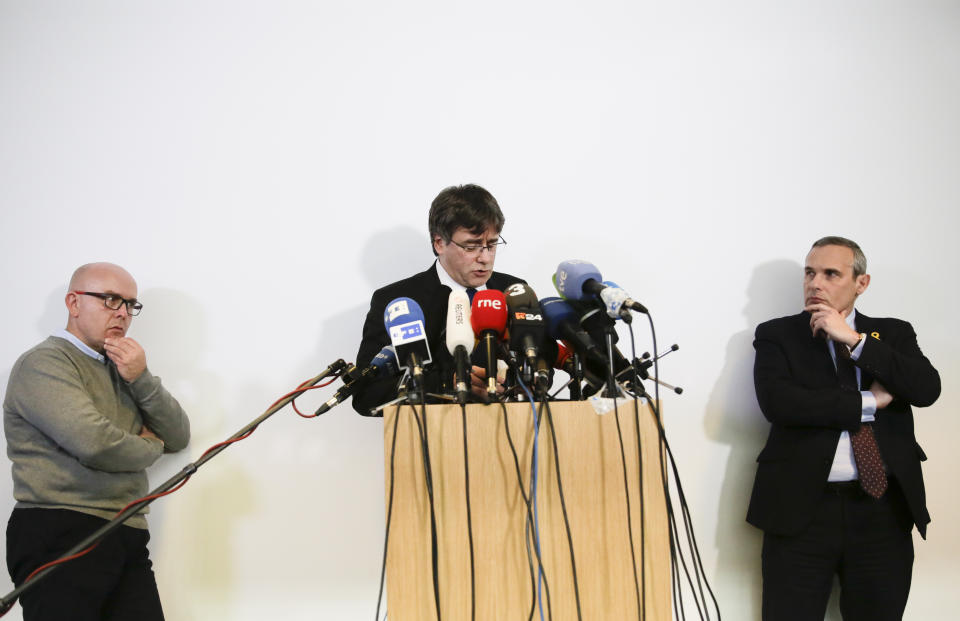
487,303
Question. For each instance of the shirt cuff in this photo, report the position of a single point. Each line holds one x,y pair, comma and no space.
868,406
856,351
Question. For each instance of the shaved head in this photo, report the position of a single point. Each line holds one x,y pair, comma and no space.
93,271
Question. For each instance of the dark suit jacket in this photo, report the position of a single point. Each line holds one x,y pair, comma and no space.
425,289
799,393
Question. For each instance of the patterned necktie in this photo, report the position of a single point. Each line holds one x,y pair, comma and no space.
470,293
866,453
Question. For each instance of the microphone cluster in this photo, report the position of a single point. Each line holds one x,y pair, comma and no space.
574,333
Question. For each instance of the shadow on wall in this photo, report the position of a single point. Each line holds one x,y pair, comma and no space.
194,530
734,418
387,256
54,314
343,449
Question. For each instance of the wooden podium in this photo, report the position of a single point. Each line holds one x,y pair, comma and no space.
591,471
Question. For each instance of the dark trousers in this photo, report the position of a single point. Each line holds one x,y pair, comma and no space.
113,582
864,541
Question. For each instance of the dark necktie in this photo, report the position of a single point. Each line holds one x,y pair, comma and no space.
470,293
866,453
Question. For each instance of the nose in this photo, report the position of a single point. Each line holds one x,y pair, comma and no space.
122,311
485,256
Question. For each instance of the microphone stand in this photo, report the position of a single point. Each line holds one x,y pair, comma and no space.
6,603
640,366
576,386
611,391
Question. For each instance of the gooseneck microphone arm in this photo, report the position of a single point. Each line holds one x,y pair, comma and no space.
462,362
490,339
170,485
611,391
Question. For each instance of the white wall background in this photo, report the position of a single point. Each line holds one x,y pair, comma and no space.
261,167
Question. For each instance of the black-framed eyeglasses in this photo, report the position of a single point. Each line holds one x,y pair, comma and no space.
477,248
114,301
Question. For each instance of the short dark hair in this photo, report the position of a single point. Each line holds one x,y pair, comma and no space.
463,206
859,259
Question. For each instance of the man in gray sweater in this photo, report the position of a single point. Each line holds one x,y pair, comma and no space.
84,418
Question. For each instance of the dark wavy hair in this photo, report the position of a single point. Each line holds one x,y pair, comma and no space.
463,206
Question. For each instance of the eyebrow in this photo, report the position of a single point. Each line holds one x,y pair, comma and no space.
109,292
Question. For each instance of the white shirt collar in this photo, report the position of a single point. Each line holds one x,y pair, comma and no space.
852,319
83,347
446,279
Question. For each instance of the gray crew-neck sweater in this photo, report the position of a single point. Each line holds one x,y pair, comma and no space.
72,426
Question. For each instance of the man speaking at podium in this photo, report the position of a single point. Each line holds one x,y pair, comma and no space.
465,223
838,486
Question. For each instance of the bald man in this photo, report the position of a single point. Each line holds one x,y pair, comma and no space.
84,418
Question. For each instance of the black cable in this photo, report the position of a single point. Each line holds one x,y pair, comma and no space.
668,465
626,492
530,524
695,550
386,537
428,476
466,485
531,529
643,521
563,507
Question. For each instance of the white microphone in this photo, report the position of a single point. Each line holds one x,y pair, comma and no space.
460,340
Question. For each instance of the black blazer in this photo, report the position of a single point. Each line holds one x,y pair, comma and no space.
425,289
799,393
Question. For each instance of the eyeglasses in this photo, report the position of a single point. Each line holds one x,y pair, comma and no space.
114,302
477,248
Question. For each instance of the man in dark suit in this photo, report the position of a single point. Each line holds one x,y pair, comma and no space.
465,223
827,503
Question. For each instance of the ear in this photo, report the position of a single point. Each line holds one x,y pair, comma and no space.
72,301
863,281
437,244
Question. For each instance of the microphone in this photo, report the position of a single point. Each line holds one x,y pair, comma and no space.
563,323
599,326
602,329
525,319
613,298
581,280
488,316
384,364
460,341
566,363
528,333
403,319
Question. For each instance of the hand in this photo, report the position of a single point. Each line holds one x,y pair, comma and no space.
832,323
478,382
147,434
127,354
881,394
